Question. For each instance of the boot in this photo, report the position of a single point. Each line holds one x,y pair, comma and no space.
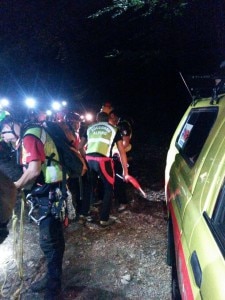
39,285
53,294
107,223
53,290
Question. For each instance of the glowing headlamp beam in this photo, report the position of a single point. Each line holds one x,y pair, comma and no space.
30,102
48,112
56,105
4,102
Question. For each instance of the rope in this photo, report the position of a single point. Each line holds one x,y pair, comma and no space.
15,235
21,235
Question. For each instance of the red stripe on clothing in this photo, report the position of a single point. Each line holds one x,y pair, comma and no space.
102,160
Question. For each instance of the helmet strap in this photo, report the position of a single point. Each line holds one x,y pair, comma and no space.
13,131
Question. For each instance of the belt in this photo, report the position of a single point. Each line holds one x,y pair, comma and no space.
98,158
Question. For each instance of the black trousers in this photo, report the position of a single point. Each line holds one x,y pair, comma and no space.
53,245
105,171
75,187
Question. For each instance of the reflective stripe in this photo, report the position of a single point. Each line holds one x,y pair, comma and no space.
182,268
93,140
98,158
100,138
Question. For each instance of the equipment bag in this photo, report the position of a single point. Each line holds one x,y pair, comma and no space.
68,157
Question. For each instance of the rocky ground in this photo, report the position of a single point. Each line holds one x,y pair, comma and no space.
124,261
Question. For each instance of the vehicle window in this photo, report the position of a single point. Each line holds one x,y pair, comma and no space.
194,133
217,222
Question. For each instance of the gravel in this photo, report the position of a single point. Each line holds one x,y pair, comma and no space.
124,261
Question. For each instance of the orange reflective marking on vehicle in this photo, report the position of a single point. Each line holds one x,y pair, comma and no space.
184,282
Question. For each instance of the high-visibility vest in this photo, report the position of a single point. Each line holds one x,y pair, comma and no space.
51,168
100,137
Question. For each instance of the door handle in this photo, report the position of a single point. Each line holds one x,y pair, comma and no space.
196,268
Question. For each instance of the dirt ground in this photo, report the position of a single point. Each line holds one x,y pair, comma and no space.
124,261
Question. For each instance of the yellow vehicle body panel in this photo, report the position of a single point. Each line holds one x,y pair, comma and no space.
193,194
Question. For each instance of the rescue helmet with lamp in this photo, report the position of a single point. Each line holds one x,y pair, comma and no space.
31,117
72,117
5,117
106,107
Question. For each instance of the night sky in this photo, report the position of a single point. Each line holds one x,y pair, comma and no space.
52,50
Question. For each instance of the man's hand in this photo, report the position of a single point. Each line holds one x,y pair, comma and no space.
126,178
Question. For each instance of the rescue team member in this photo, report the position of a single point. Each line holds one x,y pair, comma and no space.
120,185
33,157
71,127
99,140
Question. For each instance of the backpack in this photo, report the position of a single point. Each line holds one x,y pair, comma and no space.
68,157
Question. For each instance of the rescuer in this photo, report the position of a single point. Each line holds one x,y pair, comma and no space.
45,190
71,127
120,186
99,140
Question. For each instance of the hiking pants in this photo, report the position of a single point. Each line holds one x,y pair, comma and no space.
104,168
53,245
75,187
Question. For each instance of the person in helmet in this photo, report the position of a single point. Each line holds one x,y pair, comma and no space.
120,186
71,127
34,158
11,130
100,139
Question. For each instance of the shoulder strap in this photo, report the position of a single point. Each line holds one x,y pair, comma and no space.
38,132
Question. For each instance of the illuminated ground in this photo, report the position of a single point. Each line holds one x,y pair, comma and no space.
125,261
